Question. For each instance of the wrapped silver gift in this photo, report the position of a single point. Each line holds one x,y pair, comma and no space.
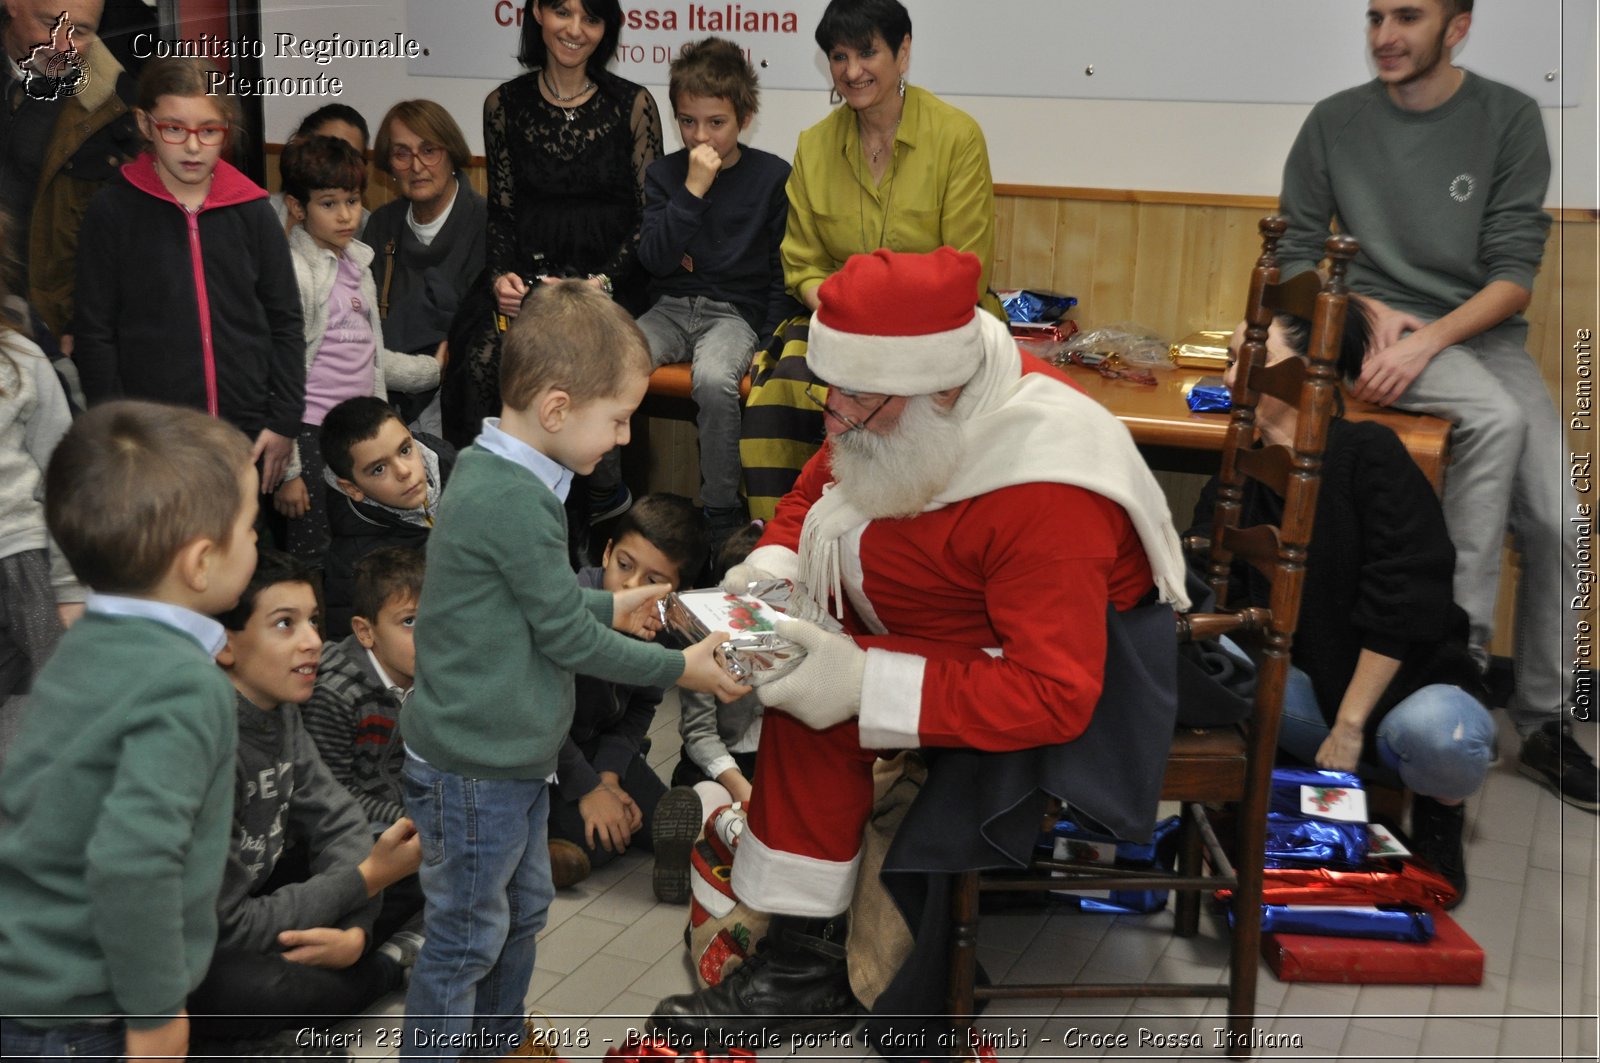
754,653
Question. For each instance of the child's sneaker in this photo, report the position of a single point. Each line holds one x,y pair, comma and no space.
673,832
612,504
404,944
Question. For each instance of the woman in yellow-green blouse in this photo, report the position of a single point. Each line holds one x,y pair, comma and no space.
894,167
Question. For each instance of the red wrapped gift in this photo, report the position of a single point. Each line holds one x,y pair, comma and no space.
1397,882
1451,958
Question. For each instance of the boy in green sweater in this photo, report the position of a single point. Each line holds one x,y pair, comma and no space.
117,800
501,629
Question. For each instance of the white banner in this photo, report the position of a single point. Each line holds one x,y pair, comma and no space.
778,41
1248,51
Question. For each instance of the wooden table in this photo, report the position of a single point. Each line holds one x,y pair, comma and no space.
1170,434
1174,437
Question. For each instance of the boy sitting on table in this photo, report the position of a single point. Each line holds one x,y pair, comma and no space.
714,217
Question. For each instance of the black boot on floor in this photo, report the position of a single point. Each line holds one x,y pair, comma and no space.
797,982
1436,832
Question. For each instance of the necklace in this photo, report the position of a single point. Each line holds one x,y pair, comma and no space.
877,152
888,204
544,75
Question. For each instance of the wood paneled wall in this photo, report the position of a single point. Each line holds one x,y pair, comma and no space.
1175,263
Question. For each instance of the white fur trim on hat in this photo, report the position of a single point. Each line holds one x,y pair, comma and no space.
895,365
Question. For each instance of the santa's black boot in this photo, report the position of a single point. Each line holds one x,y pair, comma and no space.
797,982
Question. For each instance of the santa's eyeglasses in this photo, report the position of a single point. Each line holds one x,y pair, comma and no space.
818,393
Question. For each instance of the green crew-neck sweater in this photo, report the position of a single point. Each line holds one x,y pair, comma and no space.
1443,201
116,807
503,626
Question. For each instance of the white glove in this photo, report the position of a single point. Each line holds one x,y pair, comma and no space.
825,688
740,576
790,598
800,606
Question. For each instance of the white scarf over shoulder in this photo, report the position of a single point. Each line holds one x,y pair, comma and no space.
1018,429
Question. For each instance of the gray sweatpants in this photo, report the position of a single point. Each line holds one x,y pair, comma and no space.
1508,469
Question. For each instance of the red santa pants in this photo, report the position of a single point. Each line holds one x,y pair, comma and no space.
810,800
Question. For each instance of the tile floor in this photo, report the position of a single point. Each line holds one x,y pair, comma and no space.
611,951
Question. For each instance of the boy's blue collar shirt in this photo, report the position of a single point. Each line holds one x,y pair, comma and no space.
207,632
550,472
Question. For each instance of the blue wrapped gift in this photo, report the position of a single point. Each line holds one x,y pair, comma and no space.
1317,819
1210,395
1287,784
1029,307
1068,841
1301,841
1346,921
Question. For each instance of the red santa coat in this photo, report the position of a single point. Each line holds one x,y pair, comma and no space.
984,622
1024,570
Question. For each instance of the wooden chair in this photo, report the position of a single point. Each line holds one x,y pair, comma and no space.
1231,766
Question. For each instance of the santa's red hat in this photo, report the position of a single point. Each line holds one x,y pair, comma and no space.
899,324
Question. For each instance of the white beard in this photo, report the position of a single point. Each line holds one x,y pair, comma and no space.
898,474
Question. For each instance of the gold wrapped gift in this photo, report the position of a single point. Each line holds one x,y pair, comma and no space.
1201,350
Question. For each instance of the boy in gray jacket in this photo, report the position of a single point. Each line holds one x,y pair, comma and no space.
300,892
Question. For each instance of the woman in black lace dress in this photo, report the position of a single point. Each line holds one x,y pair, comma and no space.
567,146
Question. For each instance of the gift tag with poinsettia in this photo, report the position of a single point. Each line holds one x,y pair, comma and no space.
1343,803
1382,842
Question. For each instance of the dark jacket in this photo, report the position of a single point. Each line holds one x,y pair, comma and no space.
722,246
429,281
1378,572
142,281
609,723
93,134
358,528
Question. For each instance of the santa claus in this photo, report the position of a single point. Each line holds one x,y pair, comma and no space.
969,521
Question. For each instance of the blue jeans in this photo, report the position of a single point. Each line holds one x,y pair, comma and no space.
81,1041
715,338
486,877
1438,741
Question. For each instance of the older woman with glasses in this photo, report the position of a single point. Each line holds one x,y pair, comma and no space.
429,242
894,167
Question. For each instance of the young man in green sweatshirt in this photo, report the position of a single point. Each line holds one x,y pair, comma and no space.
501,630
1441,174
116,801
